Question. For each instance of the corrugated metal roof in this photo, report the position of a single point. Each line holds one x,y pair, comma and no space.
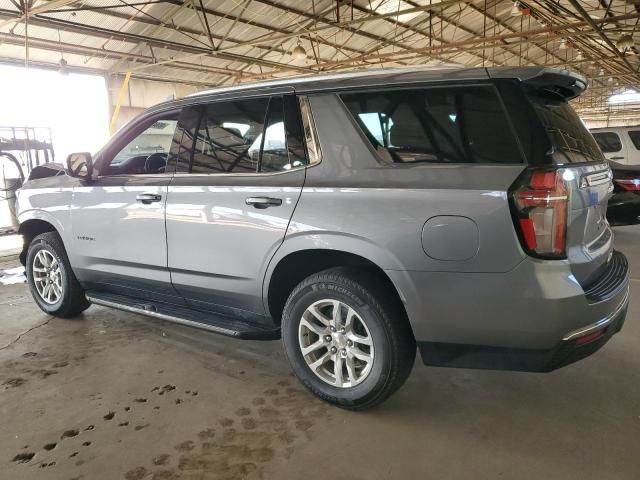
242,40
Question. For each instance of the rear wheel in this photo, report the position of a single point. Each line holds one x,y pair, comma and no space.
346,338
53,285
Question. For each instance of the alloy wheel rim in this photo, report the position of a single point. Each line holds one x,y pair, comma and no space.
47,277
335,343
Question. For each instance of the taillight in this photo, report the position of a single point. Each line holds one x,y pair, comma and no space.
540,204
632,184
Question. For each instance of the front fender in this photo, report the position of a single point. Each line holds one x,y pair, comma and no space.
49,204
24,217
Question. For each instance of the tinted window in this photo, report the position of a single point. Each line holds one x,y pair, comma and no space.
148,151
608,141
274,146
634,135
454,125
570,139
225,141
184,139
533,139
233,137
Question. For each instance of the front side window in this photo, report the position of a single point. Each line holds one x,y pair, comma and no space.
634,135
149,150
444,125
608,141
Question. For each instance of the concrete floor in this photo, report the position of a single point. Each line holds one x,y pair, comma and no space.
114,395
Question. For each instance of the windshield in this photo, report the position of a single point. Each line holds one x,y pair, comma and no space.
570,139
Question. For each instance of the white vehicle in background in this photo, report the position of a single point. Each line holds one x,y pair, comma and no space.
620,144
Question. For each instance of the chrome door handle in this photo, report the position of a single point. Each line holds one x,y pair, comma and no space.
616,158
148,198
263,202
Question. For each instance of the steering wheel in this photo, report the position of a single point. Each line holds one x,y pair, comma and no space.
155,163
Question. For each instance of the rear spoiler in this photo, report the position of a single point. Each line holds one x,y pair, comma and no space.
566,83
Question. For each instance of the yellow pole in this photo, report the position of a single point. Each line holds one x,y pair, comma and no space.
116,110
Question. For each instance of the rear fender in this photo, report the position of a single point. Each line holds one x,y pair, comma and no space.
331,241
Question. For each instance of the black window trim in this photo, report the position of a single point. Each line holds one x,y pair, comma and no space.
489,83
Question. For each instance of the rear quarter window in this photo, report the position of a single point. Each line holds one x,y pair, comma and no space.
465,124
609,141
570,140
634,135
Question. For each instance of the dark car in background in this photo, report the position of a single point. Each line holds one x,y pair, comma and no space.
624,204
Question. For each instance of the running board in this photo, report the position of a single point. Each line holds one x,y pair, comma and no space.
184,316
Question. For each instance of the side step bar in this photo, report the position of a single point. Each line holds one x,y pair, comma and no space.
192,318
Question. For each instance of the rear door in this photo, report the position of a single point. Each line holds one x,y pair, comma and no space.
231,199
588,182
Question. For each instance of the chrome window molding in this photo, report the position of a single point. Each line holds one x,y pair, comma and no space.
310,134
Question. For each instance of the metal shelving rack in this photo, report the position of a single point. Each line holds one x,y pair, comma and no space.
21,150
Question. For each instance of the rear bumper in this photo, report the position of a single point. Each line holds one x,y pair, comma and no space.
531,318
569,350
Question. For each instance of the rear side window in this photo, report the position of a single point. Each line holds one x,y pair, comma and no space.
444,125
608,141
261,135
634,135
228,138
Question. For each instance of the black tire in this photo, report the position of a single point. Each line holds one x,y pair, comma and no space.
72,301
384,316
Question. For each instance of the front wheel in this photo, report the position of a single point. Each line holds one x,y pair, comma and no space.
347,339
53,285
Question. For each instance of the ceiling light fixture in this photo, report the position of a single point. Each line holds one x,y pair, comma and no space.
516,11
566,45
63,67
299,53
625,41
63,63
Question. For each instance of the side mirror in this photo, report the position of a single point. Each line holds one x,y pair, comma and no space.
80,165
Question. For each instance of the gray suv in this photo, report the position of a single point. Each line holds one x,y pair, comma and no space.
356,216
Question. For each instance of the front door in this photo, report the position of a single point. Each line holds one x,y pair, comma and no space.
230,202
119,237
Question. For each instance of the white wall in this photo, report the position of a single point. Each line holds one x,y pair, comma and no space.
142,94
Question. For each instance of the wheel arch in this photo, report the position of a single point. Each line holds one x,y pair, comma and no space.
31,228
297,265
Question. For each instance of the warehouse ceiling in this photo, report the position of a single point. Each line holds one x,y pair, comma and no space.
208,43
